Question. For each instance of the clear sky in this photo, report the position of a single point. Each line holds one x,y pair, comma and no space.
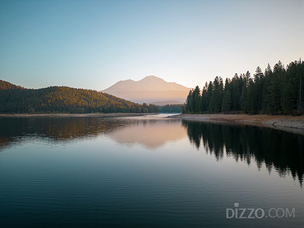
93,44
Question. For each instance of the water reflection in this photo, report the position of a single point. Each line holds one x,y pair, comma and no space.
61,129
151,133
280,150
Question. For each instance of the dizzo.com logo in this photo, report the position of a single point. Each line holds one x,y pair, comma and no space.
259,213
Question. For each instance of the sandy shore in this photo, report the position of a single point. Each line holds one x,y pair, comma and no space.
293,124
78,115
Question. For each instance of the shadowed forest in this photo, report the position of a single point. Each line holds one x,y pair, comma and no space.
276,91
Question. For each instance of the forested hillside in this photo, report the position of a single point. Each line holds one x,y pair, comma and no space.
6,85
276,91
170,108
16,99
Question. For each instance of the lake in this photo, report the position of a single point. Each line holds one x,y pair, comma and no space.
148,171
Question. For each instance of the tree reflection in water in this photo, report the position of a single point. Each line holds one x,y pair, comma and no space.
277,149
150,133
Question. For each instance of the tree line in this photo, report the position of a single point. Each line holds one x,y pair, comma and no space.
16,99
276,91
170,108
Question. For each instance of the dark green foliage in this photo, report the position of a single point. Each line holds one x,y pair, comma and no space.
250,105
206,95
299,81
235,87
245,100
196,98
64,100
288,99
280,91
265,92
226,104
274,99
170,109
193,104
217,95
188,106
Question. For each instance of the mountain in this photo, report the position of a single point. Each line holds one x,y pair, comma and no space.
151,89
16,99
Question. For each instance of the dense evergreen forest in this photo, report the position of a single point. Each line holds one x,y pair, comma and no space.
16,99
173,108
276,91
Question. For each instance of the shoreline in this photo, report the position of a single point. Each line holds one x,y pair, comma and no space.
77,115
294,124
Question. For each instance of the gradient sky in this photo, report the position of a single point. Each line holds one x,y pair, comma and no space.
94,44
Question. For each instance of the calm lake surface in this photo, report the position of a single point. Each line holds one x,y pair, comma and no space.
148,171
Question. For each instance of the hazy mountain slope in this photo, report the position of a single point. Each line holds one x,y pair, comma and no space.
151,89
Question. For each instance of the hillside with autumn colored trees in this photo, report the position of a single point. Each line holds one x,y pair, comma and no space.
16,99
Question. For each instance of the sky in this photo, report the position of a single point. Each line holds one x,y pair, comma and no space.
94,44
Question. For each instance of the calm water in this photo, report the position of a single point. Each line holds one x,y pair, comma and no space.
147,172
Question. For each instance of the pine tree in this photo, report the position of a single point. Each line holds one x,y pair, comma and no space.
265,95
300,77
208,96
236,92
245,100
258,88
226,104
274,98
196,100
216,98
288,99
189,102
204,103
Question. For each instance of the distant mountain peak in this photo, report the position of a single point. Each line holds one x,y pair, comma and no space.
152,77
149,89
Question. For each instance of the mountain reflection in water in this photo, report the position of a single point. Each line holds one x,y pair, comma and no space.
151,134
